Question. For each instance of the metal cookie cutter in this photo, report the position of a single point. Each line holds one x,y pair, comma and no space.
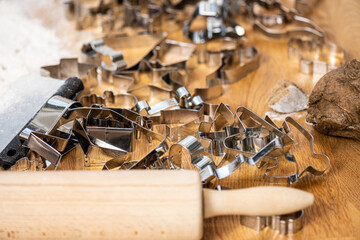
186,100
195,154
273,144
85,12
105,135
144,108
251,119
251,124
182,99
212,90
177,131
90,81
151,94
38,113
176,117
101,117
213,87
111,60
109,100
142,136
189,151
146,82
51,148
45,120
145,74
144,14
133,49
109,129
176,124
248,62
285,224
239,59
218,23
237,144
214,131
295,177
172,53
208,170
233,60
269,24
315,57
96,151
250,153
68,67
108,139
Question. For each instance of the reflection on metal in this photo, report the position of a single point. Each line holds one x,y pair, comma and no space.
315,57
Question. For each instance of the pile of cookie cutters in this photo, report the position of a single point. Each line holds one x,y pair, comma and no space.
124,128
187,131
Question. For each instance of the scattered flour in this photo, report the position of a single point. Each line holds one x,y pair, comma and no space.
275,116
34,33
286,97
294,101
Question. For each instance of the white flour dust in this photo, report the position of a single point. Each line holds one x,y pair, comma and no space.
34,33
281,116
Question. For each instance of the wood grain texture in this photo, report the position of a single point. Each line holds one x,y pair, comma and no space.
256,201
336,211
109,205
127,204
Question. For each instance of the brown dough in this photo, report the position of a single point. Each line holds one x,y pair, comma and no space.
334,104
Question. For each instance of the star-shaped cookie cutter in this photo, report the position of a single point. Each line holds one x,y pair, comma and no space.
68,67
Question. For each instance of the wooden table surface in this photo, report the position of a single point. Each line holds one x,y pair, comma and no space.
336,212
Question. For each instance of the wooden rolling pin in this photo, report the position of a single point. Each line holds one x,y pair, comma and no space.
126,204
